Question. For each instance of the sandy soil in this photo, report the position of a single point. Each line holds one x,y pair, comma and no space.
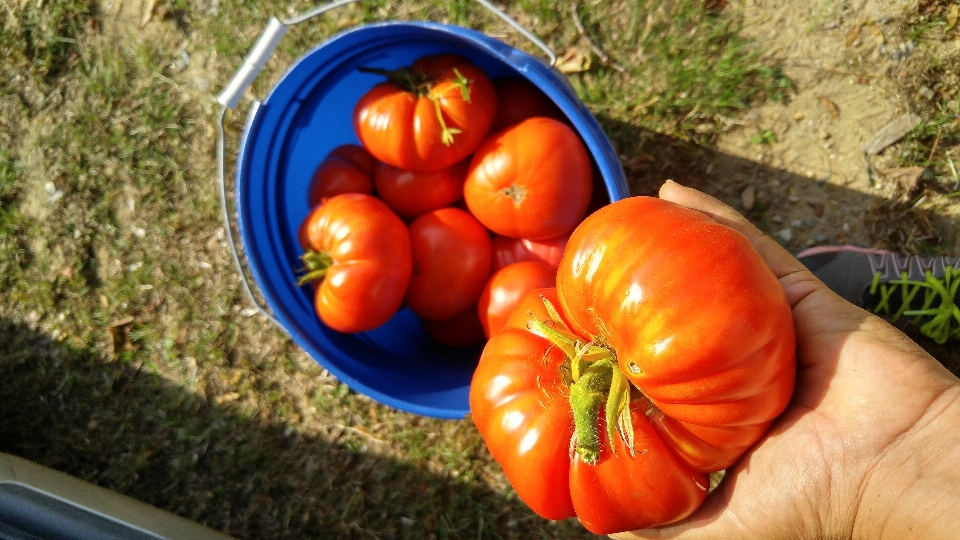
848,62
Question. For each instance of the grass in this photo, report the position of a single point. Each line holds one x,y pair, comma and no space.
683,69
127,349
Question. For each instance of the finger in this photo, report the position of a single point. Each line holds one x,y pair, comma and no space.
711,521
777,258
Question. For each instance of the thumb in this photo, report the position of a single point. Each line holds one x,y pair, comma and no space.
777,258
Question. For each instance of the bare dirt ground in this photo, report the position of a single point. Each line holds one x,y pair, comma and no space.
853,72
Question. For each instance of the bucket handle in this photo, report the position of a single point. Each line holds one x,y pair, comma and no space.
250,68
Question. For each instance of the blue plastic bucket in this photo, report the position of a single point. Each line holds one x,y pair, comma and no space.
305,116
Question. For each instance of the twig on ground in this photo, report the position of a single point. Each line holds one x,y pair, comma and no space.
936,142
148,13
604,57
358,431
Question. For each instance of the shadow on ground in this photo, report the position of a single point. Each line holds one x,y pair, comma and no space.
651,158
119,426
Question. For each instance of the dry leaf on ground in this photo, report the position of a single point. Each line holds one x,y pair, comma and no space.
853,35
830,105
573,61
908,177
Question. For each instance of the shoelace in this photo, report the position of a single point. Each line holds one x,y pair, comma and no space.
944,320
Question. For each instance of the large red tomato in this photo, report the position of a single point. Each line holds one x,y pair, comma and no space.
411,193
358,256
507,250
506,287
346,169
451,263
532,180
695,318
528,401
427,116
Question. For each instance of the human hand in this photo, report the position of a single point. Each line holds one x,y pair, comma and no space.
867,446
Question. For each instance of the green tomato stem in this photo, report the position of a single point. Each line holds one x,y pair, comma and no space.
405,78
316,264
586,397
596,381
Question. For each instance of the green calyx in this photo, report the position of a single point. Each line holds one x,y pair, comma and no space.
596,383
315,266
421,86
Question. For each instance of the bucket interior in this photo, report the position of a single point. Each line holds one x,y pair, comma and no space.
309,113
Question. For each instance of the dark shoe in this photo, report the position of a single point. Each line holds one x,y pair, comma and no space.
892,285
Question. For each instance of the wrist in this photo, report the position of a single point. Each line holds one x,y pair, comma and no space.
913,488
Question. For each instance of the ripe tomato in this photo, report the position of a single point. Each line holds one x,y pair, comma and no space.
508,250
357,253
520,400
411,193
427,116
463,330
506,287
531,180
697,321
518,100
451,263
346,169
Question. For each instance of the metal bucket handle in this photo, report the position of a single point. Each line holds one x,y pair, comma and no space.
248,71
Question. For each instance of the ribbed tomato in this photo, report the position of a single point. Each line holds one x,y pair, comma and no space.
697,321
666,351
521,401
358,257
426,116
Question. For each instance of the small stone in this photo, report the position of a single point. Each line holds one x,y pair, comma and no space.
821,238
891,133
748,198
927,92
778,219
798,116
824,135
785,234
796,224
